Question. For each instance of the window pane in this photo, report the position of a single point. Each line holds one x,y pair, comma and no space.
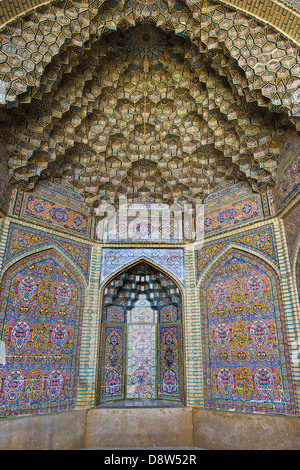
141,366
142,312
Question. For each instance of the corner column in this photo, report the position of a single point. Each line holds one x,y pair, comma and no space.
192,336
87,381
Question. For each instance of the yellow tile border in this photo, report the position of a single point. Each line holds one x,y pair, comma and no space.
273,13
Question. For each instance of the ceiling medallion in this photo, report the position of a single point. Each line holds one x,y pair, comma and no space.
145,36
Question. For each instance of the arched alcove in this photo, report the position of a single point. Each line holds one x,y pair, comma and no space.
141,358
246,366
41,313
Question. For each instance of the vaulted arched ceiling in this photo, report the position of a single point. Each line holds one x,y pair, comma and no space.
166,99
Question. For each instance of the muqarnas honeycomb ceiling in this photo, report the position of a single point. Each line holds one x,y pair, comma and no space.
159,99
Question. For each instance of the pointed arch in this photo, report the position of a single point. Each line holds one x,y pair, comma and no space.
47,247
117,379
41,316
231,246
136,261
246,365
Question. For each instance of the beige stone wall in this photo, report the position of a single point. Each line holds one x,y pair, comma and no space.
150,428
58,431
139,427
243,431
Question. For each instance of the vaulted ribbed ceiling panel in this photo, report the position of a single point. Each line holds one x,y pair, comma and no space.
154,98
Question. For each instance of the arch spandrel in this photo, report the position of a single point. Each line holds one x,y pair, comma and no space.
239,248
169,261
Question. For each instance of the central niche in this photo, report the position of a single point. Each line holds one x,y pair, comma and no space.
141,337
141,351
